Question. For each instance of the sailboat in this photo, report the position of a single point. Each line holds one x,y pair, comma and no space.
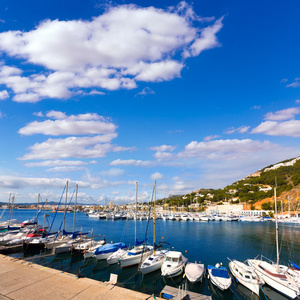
134,256
155,260
74,237
246,276
273,273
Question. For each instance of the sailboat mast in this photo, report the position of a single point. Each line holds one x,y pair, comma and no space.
154,218
136,192
65,205
45,212
37,208
75,208
276,222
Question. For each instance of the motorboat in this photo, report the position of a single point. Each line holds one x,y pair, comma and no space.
173,264
154,261
194,272
246,276
103,252
219,276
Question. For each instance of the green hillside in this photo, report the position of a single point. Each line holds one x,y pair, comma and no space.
250,190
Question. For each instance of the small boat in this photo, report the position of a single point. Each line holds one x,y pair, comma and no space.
275,275
194,272
154,261
116,256
219,276
246,276
135,255
173,264
103,252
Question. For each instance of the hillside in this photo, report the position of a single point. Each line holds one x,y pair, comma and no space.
256,189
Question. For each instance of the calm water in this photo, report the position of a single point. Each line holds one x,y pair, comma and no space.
210,243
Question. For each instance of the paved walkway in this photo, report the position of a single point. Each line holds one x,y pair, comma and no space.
23,280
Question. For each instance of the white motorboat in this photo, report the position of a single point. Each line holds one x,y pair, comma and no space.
246,276
194,272
219,276
173,264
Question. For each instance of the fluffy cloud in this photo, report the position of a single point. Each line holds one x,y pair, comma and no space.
131,162
163,148
69,125
157,176
283,115
4,95
287,128
124,45
224,149
79,147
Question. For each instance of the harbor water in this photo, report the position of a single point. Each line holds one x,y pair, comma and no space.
209,242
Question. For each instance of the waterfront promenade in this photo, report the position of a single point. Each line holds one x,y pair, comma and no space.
24,280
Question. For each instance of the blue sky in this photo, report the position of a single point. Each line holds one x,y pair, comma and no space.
194,95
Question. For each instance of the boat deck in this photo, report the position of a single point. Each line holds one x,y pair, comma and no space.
173,293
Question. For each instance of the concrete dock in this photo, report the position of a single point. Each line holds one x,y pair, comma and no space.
24,280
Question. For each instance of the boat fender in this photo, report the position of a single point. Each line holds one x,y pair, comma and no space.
237,280
208,276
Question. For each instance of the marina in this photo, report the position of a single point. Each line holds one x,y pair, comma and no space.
197,241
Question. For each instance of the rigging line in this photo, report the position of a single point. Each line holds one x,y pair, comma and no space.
147,225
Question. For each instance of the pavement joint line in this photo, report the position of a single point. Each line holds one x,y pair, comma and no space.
80,292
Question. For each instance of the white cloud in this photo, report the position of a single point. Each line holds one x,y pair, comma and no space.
124,45
157,176
207,39
242,129
145,91
4,95
287,128
294,84
163,148
62,169
69,125
283,115
211,137
113,172
131,162
79,147
55,163
224,149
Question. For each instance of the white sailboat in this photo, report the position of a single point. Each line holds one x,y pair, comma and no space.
246,276
134,256
273,273
154,261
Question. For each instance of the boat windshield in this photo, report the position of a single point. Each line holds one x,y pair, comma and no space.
173,259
